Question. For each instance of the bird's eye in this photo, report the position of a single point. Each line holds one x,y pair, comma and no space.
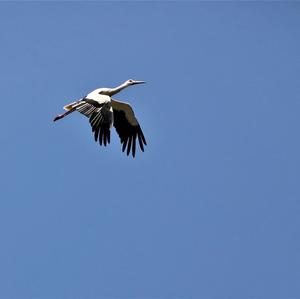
100,92
130,81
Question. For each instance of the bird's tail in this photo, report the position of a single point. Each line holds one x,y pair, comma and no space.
70,106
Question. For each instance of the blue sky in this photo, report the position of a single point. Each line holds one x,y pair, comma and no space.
210,210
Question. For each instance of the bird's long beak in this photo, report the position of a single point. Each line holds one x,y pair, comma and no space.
138,82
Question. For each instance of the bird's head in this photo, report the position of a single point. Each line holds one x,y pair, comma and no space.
133,82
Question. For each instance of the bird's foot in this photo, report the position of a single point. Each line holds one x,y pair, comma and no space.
60,116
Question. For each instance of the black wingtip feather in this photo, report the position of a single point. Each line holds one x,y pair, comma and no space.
104,136
101,136
133,145
129,145
143,137
124,144
96,134
140,141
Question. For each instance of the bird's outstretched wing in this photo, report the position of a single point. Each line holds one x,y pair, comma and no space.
127,127
101,120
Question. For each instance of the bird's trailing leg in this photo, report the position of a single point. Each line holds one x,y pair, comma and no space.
60,116
71,108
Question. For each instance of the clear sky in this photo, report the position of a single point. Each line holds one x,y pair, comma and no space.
210,210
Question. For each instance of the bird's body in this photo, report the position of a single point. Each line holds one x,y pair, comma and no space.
104,112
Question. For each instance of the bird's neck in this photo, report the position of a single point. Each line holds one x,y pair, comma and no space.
117,89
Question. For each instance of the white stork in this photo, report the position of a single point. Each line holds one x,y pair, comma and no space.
104,112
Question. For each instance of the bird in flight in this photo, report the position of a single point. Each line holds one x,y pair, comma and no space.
104,112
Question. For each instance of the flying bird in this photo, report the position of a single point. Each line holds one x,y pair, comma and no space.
104,112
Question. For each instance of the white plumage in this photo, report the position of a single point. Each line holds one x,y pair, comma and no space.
104,112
